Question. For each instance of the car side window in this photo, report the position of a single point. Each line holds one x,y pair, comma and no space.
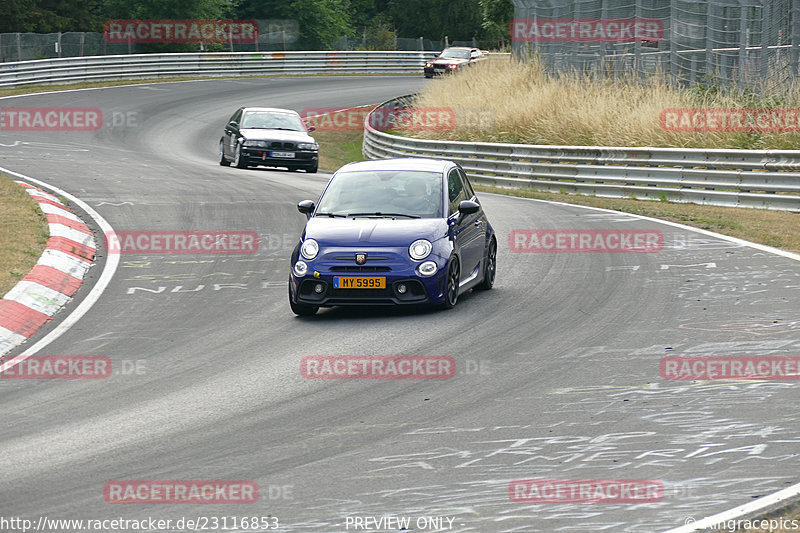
237,117
467,185
455,190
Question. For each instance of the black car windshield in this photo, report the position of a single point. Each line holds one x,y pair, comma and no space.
395,192
455,54
268,120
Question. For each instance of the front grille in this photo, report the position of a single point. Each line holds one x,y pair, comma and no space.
360,269
352,257
277,145
360,294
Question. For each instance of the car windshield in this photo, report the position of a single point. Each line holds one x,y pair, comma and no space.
384,193
455,54
267,120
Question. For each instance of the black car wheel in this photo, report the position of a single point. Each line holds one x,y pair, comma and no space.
313,170
238,160
451,289
301,309
490,270
222,159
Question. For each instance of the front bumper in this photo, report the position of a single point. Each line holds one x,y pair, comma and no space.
417,292
262,156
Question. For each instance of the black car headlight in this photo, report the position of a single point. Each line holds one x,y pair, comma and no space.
307,146
255,144
309,249
420,249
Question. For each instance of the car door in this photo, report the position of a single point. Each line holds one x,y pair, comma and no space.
231,133
467,230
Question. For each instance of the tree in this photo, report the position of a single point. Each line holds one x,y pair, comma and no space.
322,22
433,19
496,16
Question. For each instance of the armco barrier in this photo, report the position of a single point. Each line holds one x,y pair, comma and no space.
74,69
766,179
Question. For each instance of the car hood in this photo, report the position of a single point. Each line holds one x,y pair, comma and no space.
276,135
449,61
374,231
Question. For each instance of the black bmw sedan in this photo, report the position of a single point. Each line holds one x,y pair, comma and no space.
269,137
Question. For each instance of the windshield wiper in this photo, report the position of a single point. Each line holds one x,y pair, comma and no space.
379,214
331,215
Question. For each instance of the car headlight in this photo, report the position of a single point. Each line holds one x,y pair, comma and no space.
256,144
300,269
307,146
428,65
428,268
310,249
420,249
452,66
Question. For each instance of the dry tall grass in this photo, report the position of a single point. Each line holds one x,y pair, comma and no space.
510,101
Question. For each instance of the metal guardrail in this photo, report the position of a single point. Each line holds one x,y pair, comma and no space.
74,69
765,179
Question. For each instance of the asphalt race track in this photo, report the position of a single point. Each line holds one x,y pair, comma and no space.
557,367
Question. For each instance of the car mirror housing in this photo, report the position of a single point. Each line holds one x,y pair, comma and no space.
468,207
311,128
306,207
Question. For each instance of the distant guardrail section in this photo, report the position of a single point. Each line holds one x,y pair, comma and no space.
766,179
141,66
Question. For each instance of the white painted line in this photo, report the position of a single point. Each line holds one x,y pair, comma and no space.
69,264
50,209
37,297
9,339
736,512
40,194
761,503
112,261
60,230
742,242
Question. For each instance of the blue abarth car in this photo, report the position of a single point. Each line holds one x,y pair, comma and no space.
392,232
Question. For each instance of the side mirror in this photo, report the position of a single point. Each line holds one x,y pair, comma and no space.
306,207
311,128
468,207
233,124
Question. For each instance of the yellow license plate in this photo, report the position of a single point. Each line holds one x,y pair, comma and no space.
340,282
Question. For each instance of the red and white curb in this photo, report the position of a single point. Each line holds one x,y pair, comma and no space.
54,279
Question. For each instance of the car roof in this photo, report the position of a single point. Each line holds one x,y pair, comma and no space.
460,48
400,163
271,109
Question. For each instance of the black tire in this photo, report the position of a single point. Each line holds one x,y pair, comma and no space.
238,160
451,287
490,270
301,309
313,170
222,159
